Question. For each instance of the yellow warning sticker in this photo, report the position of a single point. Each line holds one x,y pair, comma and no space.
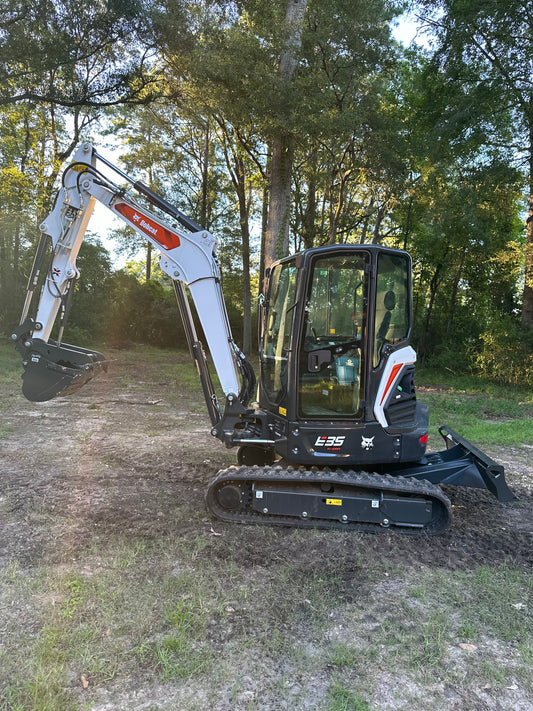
334,502
283,411
78,167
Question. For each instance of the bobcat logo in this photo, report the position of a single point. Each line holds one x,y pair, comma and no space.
367,443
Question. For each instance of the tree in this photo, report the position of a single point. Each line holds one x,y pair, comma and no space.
277,233
238,165
145,137
461,244
485,47
33,145
74,54
59,63
347,128
293,74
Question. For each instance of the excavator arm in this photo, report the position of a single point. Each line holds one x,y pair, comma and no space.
188,256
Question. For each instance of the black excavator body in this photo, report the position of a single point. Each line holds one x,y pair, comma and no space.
337,406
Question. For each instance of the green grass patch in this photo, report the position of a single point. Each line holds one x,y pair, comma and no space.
340,698
481,411
10,362
45,692
344,655
154,610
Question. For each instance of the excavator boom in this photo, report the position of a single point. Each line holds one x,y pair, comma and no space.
188,256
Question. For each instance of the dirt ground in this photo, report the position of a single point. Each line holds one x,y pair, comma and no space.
121,456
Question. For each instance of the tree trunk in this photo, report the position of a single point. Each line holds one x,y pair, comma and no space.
236,167
148,266
527,300
246,296
407,230
455,291
380,216
527,296
264,227
277,236
309,218
239,184
205,175
423,345
335,211
148,271
366,221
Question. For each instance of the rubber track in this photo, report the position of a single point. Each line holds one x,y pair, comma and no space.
359,480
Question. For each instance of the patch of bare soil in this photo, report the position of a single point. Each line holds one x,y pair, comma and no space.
116,458
130,458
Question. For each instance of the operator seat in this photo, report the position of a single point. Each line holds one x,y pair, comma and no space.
389,301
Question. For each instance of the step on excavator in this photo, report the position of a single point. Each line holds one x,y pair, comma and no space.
332,435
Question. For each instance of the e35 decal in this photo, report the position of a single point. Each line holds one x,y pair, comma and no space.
330,442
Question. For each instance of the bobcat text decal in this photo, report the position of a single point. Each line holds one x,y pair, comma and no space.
162,235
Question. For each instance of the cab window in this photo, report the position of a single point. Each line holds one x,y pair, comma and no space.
330,367
392,302
278,332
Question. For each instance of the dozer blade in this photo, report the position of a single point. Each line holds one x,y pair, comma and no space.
460,464
492,474
52,370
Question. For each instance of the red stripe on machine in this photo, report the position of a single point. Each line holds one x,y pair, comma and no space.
392,377
151,228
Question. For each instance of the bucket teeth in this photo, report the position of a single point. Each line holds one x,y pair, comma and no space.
53,370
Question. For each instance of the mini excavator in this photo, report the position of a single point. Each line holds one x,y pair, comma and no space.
335,436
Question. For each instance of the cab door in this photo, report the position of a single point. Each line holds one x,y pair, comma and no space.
331,363
277,337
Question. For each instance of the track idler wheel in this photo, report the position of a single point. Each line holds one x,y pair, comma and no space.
229,497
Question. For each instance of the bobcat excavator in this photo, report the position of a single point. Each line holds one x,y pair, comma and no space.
335,437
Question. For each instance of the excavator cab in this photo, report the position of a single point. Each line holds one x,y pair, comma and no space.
336,365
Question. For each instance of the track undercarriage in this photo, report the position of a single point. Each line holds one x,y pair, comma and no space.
405,498
337,499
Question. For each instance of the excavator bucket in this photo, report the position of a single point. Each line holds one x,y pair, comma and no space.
52,369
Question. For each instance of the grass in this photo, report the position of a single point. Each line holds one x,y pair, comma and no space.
142,621
343,699
10,364
481,411
260,618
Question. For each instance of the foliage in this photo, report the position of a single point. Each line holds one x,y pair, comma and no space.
142,313
484,52
71,55
407,148
506,354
